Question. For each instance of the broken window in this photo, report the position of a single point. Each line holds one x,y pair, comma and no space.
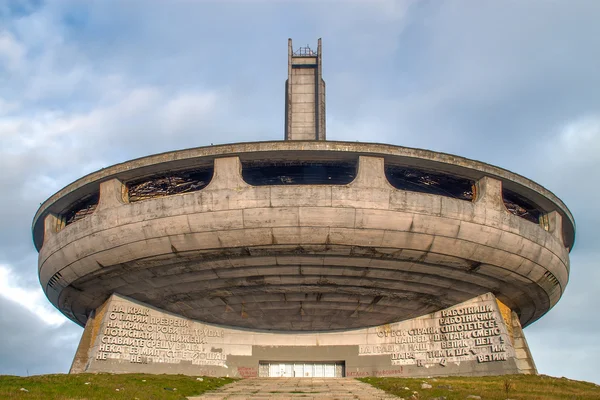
81,208
521,207
422,181
299,173
168,184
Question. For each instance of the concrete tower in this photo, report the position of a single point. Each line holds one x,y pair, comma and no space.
304,95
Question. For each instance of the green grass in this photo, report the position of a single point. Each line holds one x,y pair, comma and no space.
525,387
104,386
143,386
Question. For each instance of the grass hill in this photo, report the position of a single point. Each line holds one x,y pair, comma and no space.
106,386
518,387
143,387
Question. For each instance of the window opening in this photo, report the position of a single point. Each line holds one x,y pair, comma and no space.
82,208
299,173
169,184
521,207
422,181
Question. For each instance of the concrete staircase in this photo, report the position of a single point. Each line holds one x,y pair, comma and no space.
296,388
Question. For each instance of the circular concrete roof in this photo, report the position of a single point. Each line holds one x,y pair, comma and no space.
282,150
303,257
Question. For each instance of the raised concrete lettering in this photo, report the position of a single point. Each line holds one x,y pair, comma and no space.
132,337
140,335
467,333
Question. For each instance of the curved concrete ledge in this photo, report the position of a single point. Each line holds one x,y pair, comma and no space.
319,150
438,250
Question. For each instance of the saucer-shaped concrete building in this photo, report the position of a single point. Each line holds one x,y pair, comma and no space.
304,257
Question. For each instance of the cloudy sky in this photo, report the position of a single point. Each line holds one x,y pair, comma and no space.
86,84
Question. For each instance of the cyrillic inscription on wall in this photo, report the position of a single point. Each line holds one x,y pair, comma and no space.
468,333
141,335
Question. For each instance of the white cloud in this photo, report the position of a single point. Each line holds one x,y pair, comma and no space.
145,111
31,299
7,107
11,51
580,140
188,107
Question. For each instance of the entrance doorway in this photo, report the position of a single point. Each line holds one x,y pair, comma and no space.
304,369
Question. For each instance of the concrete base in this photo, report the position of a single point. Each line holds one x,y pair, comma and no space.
477,337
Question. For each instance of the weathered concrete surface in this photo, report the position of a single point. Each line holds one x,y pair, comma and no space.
303,257
90,334
292,388
468,339
300,150
523,355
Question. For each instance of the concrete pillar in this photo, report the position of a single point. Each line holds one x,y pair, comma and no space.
523,356
320,97
489,193
555,225
90,333
52,224
227,174
371,173
111,194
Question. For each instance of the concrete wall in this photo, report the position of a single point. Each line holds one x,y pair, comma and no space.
468,339
296,150
303,105
365,252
